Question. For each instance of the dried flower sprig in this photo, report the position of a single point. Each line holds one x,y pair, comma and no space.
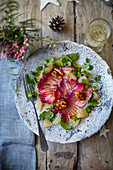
15,37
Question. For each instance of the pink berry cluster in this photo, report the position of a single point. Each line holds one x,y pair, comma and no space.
19,52
8,50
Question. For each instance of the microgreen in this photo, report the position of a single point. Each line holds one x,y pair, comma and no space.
65,125
75,118
73,56
30,95
52,107
91,81
51,60
43,74
87,60
88,66
97,78
45,62
46,115
92,103
77,71
85,81
39,68
85,73
69,59
68,63
87,86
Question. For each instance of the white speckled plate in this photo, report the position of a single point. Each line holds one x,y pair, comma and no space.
97,117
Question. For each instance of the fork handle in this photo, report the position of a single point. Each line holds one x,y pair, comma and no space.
43,142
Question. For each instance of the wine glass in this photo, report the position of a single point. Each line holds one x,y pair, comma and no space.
99,30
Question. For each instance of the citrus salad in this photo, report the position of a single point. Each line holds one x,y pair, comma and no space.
66,91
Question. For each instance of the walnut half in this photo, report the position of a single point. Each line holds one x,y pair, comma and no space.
57,73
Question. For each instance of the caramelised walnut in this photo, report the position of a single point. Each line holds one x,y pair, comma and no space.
61,103
57,73
80,95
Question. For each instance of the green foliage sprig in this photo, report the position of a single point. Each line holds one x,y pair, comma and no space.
15,36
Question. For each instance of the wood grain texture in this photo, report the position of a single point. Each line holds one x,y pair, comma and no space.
41,157
61,156
31,9
66,10
96,152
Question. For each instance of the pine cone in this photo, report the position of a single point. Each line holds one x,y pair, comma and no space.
57,24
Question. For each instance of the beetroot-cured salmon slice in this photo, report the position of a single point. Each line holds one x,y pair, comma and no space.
47,79
73,105
65,86
49,94
67,71
48,88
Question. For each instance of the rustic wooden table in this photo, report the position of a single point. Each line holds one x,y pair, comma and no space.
95,152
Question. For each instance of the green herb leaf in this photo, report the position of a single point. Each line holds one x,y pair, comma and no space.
88,109
75,118
95,104
97,78
30,95
73,56
45,62
88,66
45,66
46,115
51,60
65,125
75,71
38,95
87,86
43,74
91,81
92,103
85,73
39,68
68,63
57,65
87,60
65,59
52,107
68,59
85,81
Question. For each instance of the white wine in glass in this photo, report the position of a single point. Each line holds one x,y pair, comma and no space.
98,32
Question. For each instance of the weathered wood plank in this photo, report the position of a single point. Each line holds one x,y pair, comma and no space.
31,9
66,10
60,156
96,152
41,156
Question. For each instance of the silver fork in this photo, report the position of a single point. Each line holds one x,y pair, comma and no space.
43,142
